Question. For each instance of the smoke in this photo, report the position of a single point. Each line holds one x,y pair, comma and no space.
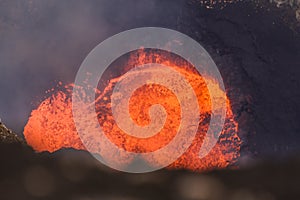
45,41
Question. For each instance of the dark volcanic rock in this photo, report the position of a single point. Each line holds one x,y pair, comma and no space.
7,136
70,174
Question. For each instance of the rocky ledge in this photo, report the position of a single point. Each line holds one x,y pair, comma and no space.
8,136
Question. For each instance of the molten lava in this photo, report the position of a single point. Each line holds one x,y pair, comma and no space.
51,127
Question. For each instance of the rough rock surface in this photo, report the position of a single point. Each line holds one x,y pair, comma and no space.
289,6
76,175
7,136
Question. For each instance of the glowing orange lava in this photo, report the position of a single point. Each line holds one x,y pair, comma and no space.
51,125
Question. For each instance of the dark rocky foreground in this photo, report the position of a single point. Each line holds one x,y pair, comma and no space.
71,174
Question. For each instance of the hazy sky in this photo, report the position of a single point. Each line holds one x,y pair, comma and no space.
45,41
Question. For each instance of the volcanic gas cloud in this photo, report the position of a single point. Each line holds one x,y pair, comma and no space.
51,127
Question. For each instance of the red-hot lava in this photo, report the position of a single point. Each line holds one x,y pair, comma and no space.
51,127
